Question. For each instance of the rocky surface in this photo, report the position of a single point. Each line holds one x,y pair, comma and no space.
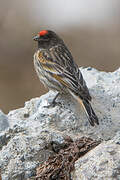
26,134
103,162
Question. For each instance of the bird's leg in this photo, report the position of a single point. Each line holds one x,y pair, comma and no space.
53,103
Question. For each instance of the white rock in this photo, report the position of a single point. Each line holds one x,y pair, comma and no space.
3,121
26,139
103,162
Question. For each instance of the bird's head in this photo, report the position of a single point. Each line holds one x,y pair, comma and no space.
47,39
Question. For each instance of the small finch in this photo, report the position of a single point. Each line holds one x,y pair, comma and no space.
57,70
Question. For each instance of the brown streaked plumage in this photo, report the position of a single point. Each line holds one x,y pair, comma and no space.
57,70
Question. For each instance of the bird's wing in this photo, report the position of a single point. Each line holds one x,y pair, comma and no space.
73,81
59,63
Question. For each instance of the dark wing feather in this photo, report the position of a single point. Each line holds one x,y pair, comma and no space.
62,64
70,71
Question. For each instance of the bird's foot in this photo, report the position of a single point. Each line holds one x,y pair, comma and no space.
53,103
50,105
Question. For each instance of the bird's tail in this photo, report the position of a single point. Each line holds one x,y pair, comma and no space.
90,113
93,119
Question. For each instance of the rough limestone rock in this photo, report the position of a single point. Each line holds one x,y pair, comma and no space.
4,124
103,162
26,134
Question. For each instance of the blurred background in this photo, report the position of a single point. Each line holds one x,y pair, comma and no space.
90,28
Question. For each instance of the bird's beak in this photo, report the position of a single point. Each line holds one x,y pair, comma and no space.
35,38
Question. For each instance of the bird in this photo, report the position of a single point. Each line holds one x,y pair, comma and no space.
58,71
